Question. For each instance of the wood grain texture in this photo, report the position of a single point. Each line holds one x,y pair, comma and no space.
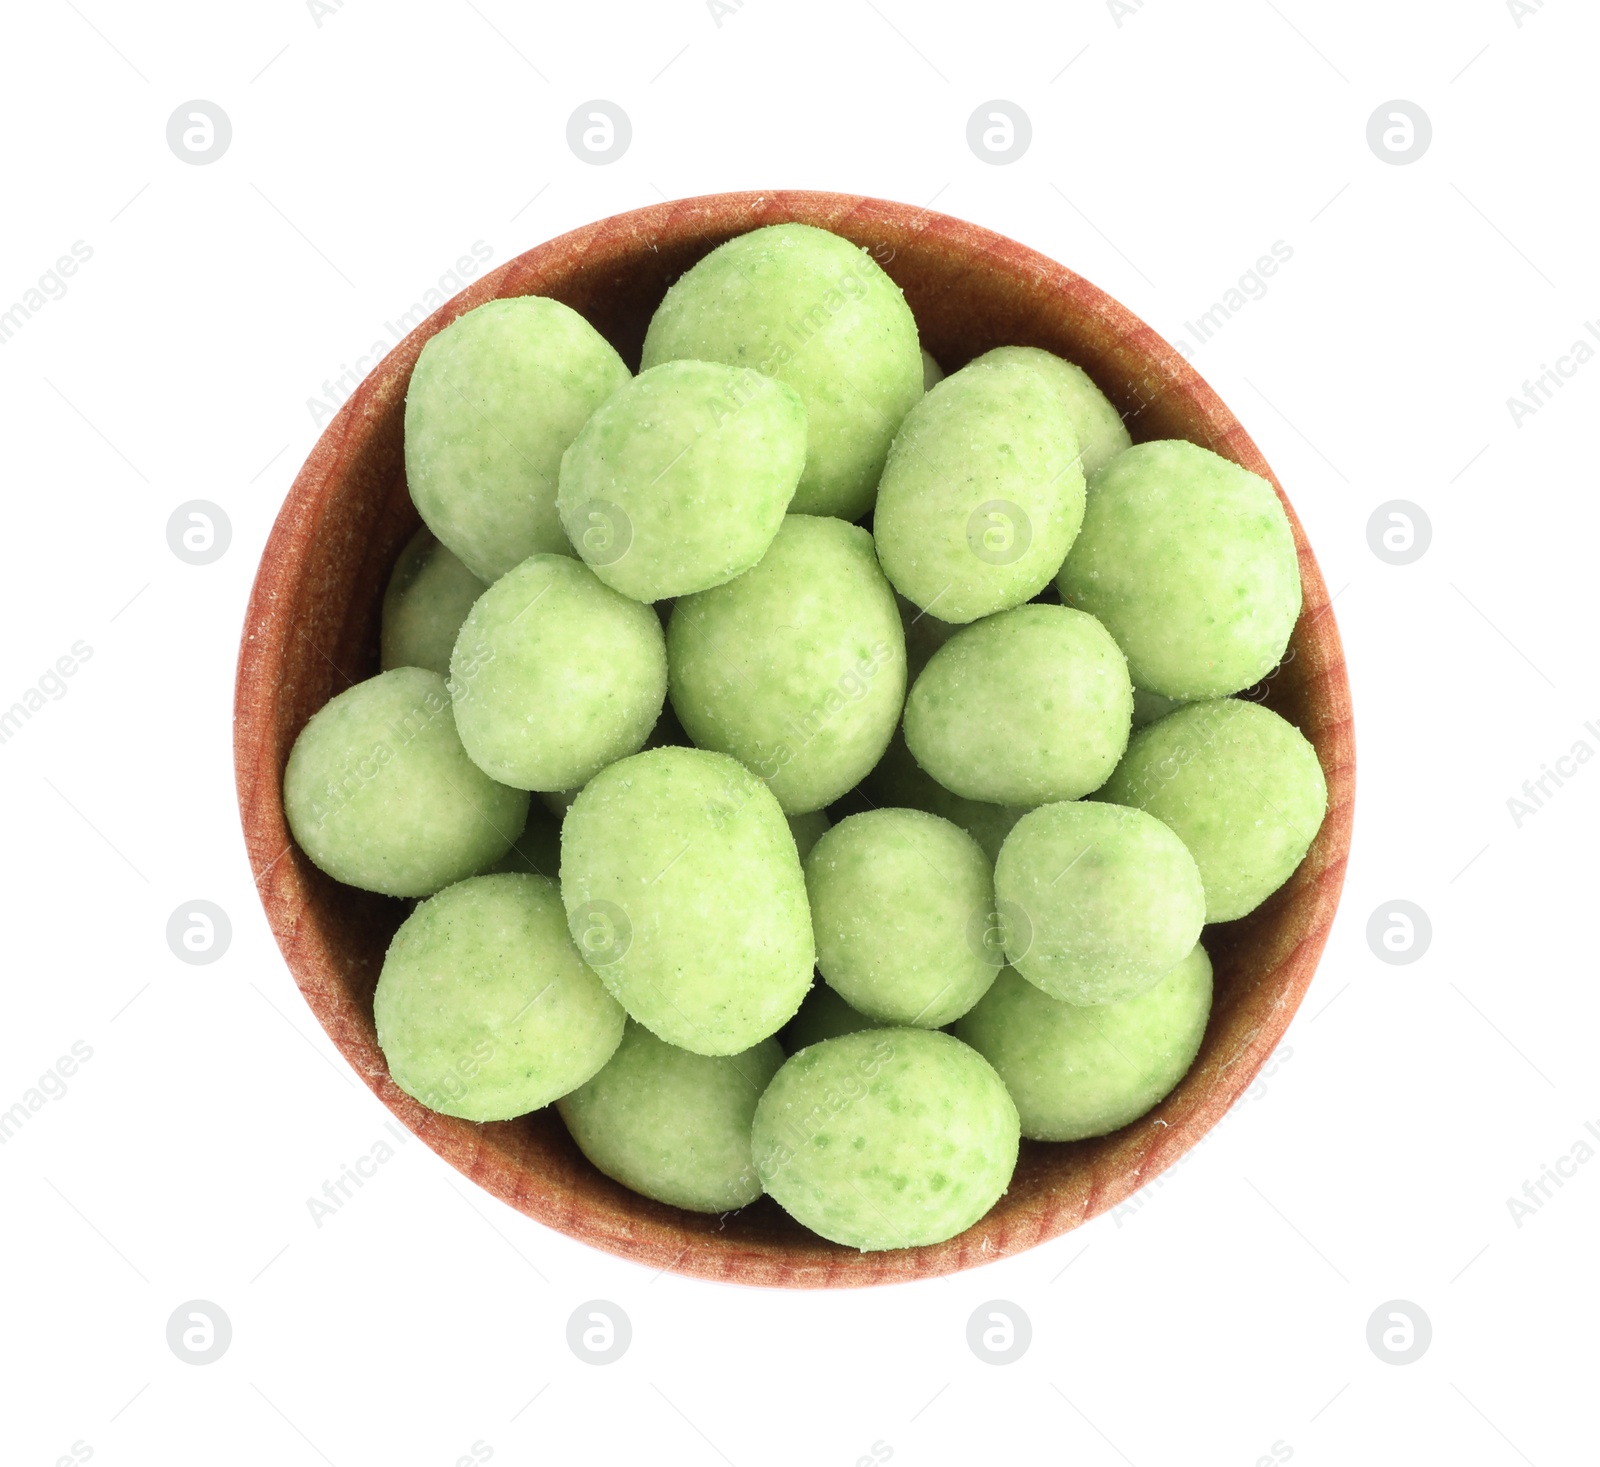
312,629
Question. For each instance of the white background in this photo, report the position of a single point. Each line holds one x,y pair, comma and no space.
1228,1311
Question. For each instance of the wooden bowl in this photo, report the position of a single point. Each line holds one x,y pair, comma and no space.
312,630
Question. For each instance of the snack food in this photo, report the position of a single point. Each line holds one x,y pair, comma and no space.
494,400
429,595
484,1008
673,1125
1189,561
886,1139
549,639
896,898
684,893
694,873
681,478
1076,1072
1098,902
537,851
817,312
807,830
1240,786
1102,434
982,493
1147,707
796,668
380,793
1025,707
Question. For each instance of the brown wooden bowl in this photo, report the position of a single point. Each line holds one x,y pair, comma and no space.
312,630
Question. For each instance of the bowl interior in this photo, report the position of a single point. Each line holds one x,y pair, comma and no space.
312,630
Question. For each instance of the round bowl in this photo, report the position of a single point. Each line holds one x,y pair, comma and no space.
312,630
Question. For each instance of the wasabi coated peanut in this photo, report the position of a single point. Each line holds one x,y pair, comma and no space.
925,635
673,1125
824,1015
680,479
430,593
816,312
484,1008
897,780
982,494
554,675
1097,902
1102,434
494,400
807,830
558,802
1078,1072
893,1138
684,892
896,896
1023,708
537,851
1240,786
796,668
380,794
1190,563
1147,707
932,372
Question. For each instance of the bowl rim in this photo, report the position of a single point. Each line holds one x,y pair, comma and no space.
645,1232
